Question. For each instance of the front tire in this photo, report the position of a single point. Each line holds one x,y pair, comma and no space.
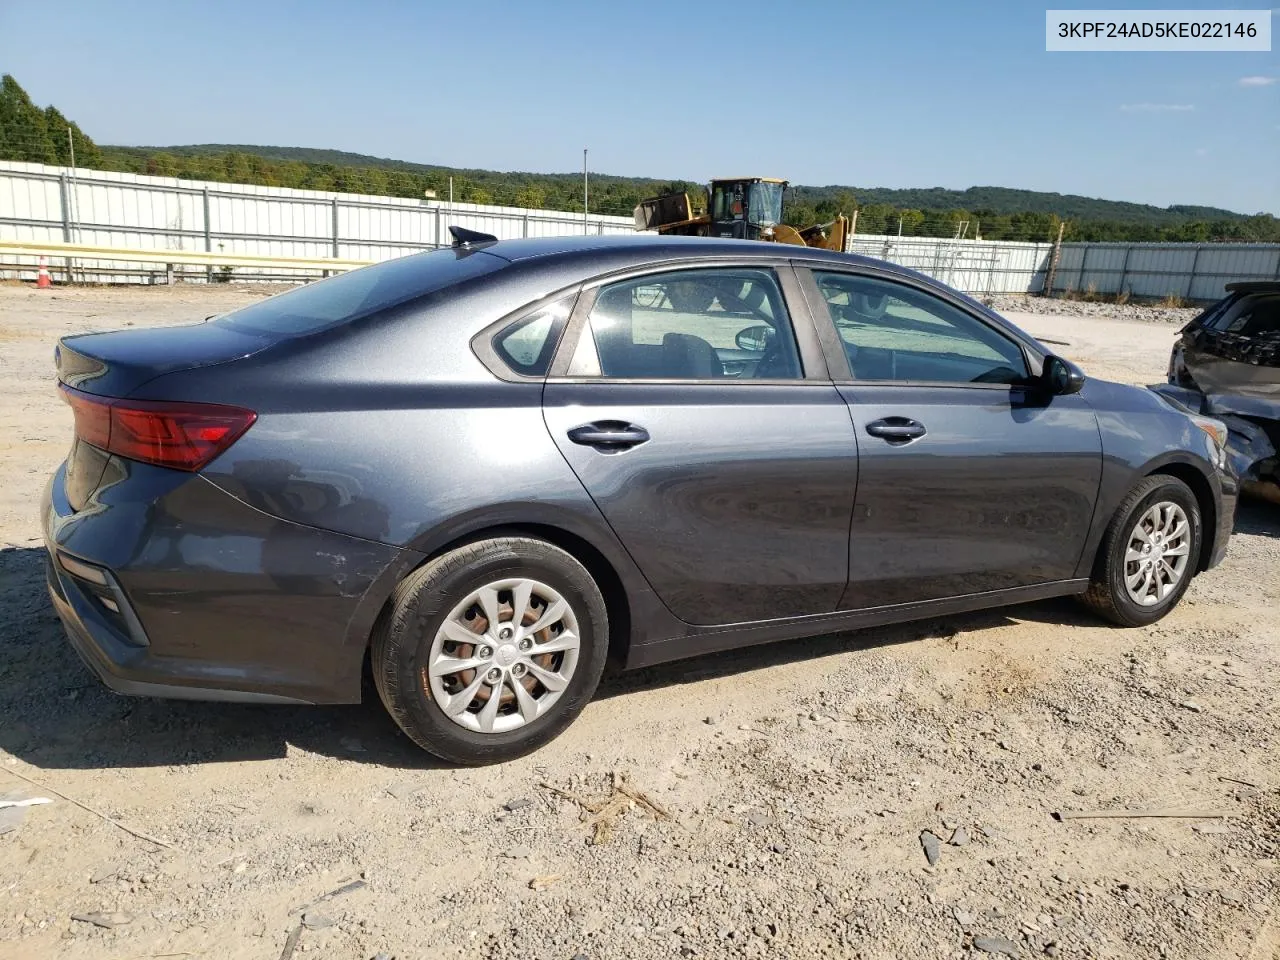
1148,555
491,650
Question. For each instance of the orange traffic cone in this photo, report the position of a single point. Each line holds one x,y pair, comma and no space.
42,278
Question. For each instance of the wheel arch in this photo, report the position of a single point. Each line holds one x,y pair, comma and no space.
608,565
616,601
1182,466
1195,478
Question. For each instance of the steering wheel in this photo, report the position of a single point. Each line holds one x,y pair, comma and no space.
773,364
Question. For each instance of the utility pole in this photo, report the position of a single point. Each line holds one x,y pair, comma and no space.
585,190
1052,272
71,143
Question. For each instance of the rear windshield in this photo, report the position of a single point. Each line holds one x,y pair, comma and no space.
350,296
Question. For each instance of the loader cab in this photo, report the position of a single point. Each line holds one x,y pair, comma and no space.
746,208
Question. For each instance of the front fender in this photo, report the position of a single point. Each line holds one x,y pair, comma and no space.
1141,435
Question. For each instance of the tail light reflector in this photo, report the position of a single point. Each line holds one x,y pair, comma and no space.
183,436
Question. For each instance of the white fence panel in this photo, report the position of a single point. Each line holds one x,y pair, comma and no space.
978,267
39,202
164,213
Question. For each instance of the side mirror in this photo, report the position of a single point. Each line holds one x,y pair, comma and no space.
755,339
1062,376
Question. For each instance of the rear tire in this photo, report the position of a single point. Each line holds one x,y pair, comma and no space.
1148,555
436,681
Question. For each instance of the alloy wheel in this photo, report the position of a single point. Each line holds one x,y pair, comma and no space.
503,656
1155,559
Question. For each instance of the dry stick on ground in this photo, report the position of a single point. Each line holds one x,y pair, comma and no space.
1243,783
97,813
605,812
1124,814
291,944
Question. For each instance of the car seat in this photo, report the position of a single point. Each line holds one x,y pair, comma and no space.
687,357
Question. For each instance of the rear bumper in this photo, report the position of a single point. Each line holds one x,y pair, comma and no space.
169,587
123,666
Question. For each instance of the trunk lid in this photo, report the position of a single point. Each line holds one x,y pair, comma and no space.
116,364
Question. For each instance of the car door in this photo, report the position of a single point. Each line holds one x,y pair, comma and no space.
969,479
698,413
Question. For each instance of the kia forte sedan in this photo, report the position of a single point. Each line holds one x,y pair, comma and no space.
489,469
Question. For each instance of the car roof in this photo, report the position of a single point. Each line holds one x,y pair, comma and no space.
1254,286
589,255
650,246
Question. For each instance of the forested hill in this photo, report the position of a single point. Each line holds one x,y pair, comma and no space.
43,135
993,212
994,199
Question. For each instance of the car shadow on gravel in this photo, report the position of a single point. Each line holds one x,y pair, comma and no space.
55,714
1258,518
1063,612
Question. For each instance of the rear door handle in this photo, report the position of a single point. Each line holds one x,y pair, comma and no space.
609,435
896,430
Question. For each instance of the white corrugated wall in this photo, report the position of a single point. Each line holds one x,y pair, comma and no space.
40,202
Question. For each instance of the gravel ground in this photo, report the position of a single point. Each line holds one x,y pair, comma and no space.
1008,304
889,793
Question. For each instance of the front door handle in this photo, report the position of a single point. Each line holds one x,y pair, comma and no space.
896,430
609,436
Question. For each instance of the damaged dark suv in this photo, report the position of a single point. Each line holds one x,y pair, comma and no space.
1226,365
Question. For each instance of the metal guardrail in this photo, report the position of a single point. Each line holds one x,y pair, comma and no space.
80,251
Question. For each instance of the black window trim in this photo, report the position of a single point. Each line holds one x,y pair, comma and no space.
833,344
1228,316
483,343
812,355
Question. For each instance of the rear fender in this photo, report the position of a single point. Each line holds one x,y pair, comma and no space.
644,613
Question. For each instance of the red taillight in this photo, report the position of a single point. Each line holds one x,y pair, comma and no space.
184,436
93,416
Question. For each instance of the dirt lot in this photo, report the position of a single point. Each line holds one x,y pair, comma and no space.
790,784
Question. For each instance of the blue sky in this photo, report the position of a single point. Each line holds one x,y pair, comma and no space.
874,94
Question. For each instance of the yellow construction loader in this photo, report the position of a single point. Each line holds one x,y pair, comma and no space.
748,208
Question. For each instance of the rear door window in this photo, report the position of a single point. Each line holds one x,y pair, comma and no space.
359,293
722,323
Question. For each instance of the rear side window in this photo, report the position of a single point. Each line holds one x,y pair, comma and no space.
1257,316
527,345
359,293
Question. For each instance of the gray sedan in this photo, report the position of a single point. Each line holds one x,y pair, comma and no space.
490,469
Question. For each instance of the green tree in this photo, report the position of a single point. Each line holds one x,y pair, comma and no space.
237,168
912,222
87,153
531,197
163,165
24,133
800,215
877,218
